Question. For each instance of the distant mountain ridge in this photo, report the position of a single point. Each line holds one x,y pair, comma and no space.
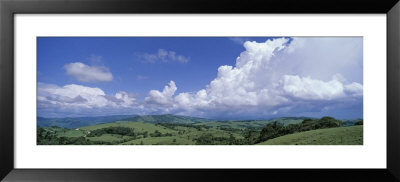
75,122
167,118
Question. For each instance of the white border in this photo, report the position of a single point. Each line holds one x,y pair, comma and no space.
371,155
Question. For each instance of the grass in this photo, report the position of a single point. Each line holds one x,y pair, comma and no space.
352,135
138,126
109,138
169,140
217,131
181,135
72,133
186,138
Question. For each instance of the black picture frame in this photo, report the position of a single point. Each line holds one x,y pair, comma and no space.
8,8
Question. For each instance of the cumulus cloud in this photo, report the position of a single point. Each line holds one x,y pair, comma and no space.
163,56
162,98
279,76
80,98
85,73
307,88
355,89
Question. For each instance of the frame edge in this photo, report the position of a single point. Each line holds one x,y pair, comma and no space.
7,90
7,10
393,86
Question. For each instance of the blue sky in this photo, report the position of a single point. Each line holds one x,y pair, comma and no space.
131,72
200,76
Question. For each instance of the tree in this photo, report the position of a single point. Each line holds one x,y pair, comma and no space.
156,134
267,132
232,139
273,130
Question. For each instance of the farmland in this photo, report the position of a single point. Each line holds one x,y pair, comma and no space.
178,130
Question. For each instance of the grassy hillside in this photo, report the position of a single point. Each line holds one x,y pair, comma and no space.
137,126
182,130
352,135
141,133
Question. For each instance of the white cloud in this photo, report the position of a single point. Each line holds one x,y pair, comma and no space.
259,53
310,89
164,56
77,97
85,73
273,77
355,89
52,94
126,99
164,97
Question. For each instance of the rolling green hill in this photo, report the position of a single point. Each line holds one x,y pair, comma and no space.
250,124
74,122
290,120
182,130
137,126
352,135
146,134
234,124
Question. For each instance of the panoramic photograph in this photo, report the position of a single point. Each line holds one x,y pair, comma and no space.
199,91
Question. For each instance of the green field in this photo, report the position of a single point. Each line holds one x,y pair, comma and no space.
138,126
352,135
170,140
281,131
109,138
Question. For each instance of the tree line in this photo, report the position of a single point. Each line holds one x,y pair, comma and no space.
273,130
